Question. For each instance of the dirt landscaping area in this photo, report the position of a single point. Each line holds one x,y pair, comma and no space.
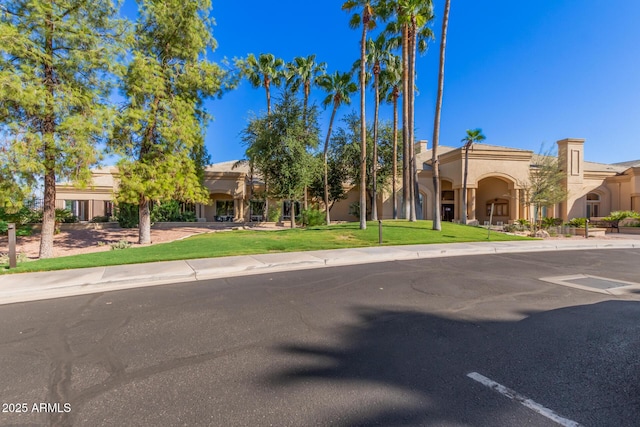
73,242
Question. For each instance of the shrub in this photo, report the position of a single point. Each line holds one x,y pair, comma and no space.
620,215
65,216
577,222
274,213
312,217
20,258
171,212
122,244
4,227
103,218
127,215
20,216
551,222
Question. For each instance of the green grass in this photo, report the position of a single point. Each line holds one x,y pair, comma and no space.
242,242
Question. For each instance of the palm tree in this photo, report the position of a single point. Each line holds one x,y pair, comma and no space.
262,72
474,135
378,56
339,88
304,72
391,83
368,22
437,225
410,31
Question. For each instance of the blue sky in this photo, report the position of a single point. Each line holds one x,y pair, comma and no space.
527,73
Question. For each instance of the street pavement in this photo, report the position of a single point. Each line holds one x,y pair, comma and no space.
56,284
448,341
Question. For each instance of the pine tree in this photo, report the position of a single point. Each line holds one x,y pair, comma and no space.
160,135
56,60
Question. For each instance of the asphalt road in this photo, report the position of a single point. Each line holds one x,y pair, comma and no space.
377,344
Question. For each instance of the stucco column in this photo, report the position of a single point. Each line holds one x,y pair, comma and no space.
457,202
471,203
238,209
514,202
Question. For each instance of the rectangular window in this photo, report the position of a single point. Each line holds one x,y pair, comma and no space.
224,210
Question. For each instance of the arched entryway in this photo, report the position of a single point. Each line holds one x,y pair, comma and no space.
500,194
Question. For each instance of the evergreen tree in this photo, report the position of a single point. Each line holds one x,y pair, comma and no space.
280,143
56,60
160,135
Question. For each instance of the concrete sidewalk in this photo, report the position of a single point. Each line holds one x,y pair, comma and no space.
55,284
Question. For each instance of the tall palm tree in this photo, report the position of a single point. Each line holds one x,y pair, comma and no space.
410,30
474,135
366,19
378,56
263,72
391,84
339,88
437,225
304,72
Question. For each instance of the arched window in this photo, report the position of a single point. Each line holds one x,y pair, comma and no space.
593,205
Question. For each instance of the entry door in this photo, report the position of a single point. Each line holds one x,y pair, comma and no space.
447,212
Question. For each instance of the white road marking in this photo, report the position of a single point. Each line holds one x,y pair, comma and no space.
512,394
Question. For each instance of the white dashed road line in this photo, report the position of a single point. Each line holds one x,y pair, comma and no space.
523,400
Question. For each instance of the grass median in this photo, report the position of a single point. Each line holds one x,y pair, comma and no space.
249,242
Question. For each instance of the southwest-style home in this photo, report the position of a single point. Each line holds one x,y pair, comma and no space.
496,175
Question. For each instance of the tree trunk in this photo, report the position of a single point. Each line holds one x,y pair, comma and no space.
464,184
374,162
363,129
48,140
48,213
292,211
411,97
394,185
406,159
144,222
436,123
326,167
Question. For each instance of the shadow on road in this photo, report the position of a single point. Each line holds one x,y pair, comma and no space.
581,361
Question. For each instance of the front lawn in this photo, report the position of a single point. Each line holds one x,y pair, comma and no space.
243,242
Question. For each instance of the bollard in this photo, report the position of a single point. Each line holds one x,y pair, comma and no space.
586,229
379,232
12,245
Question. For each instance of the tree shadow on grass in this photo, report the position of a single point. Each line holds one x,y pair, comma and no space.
565,359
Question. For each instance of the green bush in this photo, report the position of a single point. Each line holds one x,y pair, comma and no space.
127,215
122,244
21,216
577,222
313,216
171,212
551,222
620,215
274,214
65,216
523,222
4,227
103,218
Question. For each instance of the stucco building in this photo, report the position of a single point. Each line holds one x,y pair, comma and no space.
497,176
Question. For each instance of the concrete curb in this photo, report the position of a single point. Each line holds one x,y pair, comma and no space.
55,284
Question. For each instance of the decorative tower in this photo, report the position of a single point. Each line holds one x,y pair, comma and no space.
571,161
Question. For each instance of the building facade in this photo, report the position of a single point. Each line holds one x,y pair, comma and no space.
497,180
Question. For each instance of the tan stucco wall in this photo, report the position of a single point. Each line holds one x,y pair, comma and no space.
493,172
